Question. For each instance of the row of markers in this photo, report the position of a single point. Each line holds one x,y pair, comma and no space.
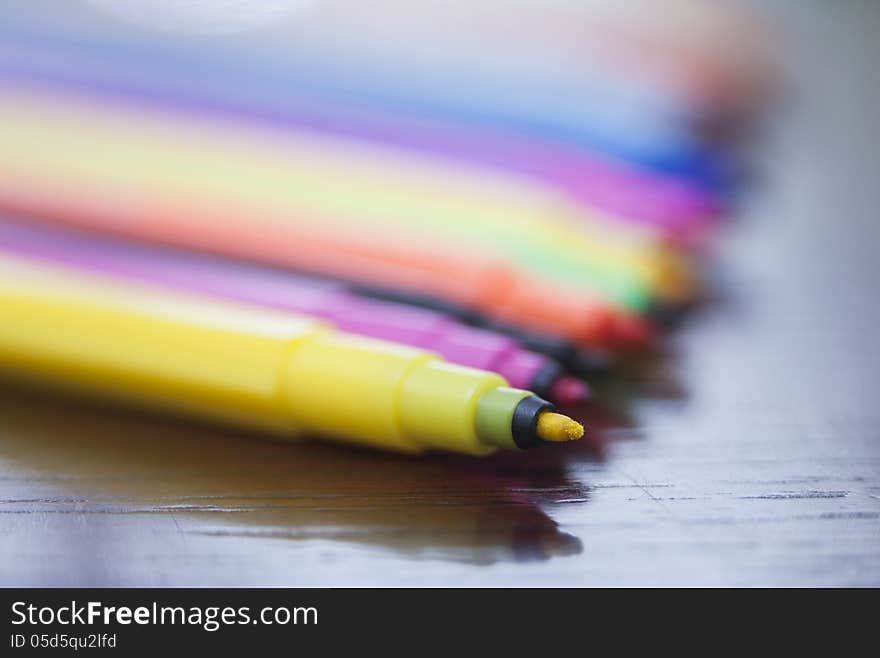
522,187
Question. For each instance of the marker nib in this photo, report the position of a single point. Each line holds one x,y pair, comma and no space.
558,428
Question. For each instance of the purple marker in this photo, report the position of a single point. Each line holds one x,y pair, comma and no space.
458,343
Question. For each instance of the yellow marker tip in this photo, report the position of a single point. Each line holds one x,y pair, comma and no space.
558,428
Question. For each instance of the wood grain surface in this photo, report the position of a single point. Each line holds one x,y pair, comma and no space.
750,455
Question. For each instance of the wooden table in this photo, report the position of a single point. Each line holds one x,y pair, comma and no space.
752,457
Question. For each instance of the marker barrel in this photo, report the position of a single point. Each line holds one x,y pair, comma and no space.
253,367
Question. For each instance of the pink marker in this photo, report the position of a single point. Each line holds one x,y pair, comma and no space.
458,343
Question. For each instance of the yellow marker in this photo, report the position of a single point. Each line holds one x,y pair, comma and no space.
288,374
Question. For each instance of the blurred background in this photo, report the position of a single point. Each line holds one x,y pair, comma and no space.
659,215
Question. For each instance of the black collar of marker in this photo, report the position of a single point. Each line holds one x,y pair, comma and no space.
525,421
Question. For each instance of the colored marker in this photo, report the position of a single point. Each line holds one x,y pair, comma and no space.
347,311
356,193
647,139
678,210
254,367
